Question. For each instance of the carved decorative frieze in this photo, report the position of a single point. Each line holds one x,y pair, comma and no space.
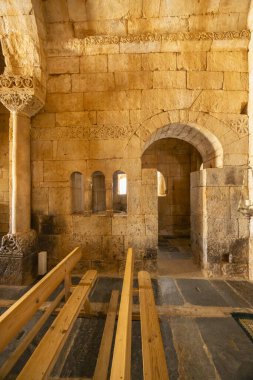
20,244
180,36
110,132
21,94
77,45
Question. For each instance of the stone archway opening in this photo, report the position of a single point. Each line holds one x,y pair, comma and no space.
174,152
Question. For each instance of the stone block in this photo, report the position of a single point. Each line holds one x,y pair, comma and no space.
112,100
159,61
56,11
99,27
69,119
59,83
124,62
113,117
217,201
157,25
190,61
169,79
72,150
92,82
40,200
119,225
221,101
133,80
168,99
59,201
64,102
63,65
227,176
37,171
101,49
113,248
91,246
236,81
101,149
96,225
140,47
43,120
41,150
93,64
60,31
227,61
204,80
77,10
57,171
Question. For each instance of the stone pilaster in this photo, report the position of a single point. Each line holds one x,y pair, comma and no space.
23,97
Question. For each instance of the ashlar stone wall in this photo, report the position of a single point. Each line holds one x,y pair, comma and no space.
111,86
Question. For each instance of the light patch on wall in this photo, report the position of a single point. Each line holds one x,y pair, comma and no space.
161,185
122,184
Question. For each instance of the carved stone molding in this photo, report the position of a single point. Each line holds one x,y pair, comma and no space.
180,36
21,94
20,244
78,45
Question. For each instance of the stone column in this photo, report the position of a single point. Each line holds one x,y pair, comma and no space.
88,197
22,98
108,196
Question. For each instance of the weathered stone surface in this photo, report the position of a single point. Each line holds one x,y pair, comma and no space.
227,61
205,80
170,79
62,65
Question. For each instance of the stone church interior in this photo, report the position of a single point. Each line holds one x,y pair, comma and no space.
126,189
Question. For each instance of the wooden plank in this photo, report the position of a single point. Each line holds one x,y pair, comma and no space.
22,311
7,366
153,355
45,355
103,360
121,363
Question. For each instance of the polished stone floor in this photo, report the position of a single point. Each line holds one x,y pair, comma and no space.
202,339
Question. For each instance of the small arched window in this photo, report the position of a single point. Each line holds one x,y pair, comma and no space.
161,185
77,192
98,192
119,192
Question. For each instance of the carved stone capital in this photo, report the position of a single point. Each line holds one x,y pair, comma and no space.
21,94
19,244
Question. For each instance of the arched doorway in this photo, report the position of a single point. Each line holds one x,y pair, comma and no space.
174,152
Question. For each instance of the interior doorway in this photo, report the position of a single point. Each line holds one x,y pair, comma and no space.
174,160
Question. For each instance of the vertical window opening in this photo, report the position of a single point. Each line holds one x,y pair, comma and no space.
161,185
98,192
119,192
77,192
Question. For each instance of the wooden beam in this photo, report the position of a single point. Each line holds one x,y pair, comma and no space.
101,370
7,366
45,355
121,363
22,311
153,355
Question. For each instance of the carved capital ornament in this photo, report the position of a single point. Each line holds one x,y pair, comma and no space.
21,94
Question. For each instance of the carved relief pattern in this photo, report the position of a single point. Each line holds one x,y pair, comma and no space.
110,132
149,37
17,93
239,126
18,244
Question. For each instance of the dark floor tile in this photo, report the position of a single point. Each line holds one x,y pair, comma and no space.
168,292
244,288
81,359
200,292
136,361
231,297
170,352
193,361
231,349
103,288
